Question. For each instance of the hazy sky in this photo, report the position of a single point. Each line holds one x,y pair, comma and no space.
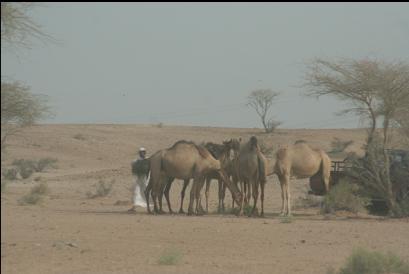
195,63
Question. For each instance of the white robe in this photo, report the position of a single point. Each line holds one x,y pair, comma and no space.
139,190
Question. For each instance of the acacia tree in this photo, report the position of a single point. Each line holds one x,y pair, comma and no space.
19,107
374,89
261,101
17,27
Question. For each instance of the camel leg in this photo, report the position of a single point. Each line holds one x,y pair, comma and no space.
222,193
208,180
242,186
147,193
249,190
283,196
262,184
199,209
160,196
182,195
288,193
192,198
254,184
167,190
155,202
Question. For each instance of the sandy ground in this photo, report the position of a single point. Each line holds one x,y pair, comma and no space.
70,233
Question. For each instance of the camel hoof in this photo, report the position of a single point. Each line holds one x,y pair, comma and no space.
181,211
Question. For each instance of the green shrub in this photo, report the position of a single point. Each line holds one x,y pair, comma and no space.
363,261
11,174
169,257
344,196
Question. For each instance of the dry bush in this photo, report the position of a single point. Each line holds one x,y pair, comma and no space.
35,195
170,257
102,189
10,174
344,196
79,136
363,261
44,163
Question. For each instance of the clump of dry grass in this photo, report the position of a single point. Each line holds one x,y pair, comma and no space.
170,257
102,189
363,261
35,195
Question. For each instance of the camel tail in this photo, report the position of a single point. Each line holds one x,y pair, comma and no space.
326,170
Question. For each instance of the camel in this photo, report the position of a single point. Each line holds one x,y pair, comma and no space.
185,160
300,161
218,151
251,171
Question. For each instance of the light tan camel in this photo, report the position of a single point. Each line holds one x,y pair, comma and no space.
185,160
251,171
301,161
218,151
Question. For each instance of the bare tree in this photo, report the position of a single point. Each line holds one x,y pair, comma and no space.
376,90
261,101
17,27
19,109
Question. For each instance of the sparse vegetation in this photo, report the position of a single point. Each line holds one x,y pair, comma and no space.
344,196
27,167
170,257
363,261
102,189
286,219
35,195
79,136
44,163
308,201
10,174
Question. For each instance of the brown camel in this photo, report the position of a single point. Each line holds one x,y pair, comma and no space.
251,171
300,161
185,160
228,151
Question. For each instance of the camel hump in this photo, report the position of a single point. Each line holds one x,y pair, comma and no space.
182,142
253,142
